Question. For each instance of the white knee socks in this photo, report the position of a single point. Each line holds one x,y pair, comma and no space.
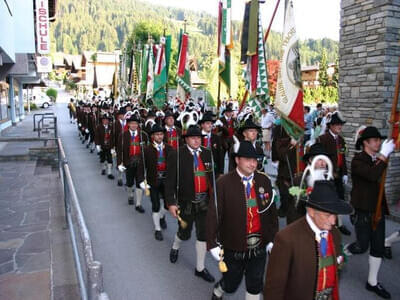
393,238
177,243
218,291
374,265
139,195
201,249
109,169
252,297
156,221
162,212
130,192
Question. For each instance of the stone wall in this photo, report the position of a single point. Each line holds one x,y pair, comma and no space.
369,53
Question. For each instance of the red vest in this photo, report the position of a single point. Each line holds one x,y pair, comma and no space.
339,153
134,147
206,142
327,273
107,135
231,130
253,217
172,138
126,128
161,163
200,180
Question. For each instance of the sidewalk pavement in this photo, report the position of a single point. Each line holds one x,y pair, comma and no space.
36,261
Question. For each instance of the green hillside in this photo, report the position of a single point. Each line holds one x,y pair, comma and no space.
106,25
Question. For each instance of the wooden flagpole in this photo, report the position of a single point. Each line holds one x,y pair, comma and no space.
378,211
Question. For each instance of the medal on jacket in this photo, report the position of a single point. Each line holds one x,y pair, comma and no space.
261,191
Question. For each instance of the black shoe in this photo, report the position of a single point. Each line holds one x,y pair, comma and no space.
83,141
87,146
173,255
379,290
388,253
111,176
103,172
120,183
163,223
140,209
158,235
91,150
343,229
130,201
205,275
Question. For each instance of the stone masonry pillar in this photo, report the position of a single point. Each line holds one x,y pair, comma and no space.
369,53
21,101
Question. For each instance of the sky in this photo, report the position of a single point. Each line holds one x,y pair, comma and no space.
314,18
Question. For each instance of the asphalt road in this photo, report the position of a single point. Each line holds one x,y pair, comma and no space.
136,266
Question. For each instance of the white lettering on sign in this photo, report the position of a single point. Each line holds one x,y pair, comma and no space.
42,27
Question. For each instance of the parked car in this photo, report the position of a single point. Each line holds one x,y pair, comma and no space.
42,100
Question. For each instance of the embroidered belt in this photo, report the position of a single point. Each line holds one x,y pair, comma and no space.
250,253
200,197
325,262
200,173
325,294
161,174
253,240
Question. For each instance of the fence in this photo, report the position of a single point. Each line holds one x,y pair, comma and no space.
88,270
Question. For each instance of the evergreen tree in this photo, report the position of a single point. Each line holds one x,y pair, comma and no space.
323,70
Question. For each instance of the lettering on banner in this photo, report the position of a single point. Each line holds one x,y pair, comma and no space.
42,27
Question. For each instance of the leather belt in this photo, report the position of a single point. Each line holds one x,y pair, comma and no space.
200,197
253,240
161,174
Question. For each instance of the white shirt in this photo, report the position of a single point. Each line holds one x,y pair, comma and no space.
157,146
267,120
198,150
316,230
208,134
133,133
245,181
332,134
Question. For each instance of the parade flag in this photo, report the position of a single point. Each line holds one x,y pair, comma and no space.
143,69
160,75
168,42
253,55
115,84
289,92
225,42
150,74
183,76
94,84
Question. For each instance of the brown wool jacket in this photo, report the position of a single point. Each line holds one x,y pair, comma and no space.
366,175
186,191
329,143
232,213
284,152
151,156
99,136
123,145
292,265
